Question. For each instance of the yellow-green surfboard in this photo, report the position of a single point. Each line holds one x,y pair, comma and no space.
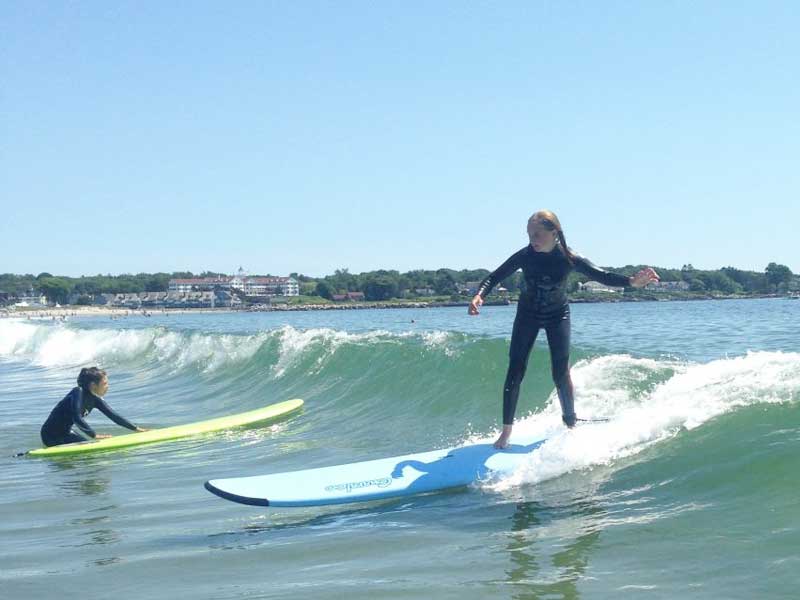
268,413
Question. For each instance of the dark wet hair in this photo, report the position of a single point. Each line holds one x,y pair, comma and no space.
90,375
549,221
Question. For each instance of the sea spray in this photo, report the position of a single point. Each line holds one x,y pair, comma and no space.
693,395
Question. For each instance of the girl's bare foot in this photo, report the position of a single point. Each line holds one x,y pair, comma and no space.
502,441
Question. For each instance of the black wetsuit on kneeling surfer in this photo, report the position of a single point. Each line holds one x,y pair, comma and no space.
78,403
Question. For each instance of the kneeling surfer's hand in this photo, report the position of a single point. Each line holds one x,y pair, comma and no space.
141,429
102,436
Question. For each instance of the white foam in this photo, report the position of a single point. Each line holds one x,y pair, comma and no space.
439,340
15,336
209,352
60,345
691,395
57,345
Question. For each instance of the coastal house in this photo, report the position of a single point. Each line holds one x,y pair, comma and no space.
131,301
594,287
416,292
31,298
668,286
181,295
470,288
205,299
105,299
153,299
226,299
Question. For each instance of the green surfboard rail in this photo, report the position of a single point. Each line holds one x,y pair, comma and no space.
267,413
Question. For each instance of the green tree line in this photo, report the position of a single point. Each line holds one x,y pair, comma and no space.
389,284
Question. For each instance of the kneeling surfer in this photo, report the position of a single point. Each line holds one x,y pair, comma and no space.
79,402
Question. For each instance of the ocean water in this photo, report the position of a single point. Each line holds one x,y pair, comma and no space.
689,491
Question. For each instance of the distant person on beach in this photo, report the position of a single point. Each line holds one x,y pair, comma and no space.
545,262
92,386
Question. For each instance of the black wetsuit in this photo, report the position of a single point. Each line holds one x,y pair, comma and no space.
543,304
57,429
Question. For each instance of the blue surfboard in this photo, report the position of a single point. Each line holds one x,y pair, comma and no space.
377,479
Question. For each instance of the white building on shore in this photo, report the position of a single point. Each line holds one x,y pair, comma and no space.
668,286
596,287
183,286
247,285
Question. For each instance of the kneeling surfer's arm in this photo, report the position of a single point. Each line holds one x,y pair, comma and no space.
76,405
101,405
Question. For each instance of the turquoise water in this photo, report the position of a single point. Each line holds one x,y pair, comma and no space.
689,491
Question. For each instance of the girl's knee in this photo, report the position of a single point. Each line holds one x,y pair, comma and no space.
560,370
516,369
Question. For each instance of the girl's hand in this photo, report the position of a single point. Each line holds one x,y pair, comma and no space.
102,436
474,305
141,429
643,277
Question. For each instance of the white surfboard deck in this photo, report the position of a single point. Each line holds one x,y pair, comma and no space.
377,479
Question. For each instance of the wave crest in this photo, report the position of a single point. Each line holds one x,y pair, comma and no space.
647,401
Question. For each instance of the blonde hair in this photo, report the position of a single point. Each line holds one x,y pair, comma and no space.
549,221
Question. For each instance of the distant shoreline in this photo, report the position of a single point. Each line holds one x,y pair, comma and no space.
64,312
617,299
99,311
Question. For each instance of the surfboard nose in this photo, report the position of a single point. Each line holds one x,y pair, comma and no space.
209,485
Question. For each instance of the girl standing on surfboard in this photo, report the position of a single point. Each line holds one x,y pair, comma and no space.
545,262
92,386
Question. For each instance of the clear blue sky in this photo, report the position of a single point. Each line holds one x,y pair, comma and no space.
309,136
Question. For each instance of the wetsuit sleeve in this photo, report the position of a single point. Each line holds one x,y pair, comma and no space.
505,270
76,406
104,408
586,267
